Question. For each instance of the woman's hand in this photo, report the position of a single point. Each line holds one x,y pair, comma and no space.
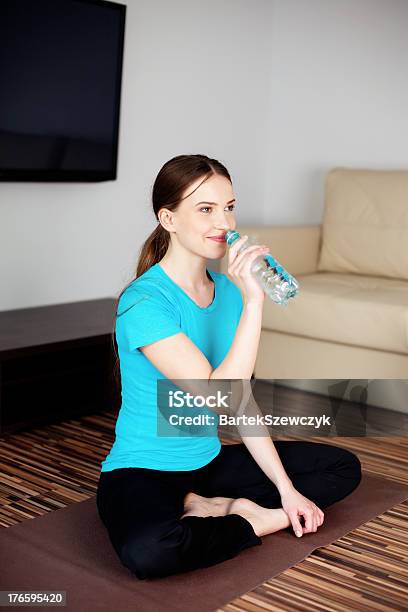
295,505
239,268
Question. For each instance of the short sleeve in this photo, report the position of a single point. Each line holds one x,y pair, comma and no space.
144,316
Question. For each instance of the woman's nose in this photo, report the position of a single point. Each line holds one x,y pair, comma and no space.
223,222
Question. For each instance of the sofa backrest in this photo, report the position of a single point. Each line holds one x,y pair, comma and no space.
365,223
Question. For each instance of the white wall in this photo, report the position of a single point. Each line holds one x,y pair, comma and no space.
339,97
195,80
278,90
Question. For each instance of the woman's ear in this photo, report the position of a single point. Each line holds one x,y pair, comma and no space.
166,219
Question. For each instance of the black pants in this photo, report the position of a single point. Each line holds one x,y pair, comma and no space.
141,508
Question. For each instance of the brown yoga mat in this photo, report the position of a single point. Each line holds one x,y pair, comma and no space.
69,550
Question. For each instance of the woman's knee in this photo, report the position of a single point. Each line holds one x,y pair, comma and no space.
154,552
357,468
341,475
349,466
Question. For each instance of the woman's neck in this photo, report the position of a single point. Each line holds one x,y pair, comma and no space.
191,274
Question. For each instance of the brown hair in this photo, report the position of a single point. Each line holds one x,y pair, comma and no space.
172,181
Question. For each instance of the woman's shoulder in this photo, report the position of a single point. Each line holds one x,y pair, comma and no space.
145,287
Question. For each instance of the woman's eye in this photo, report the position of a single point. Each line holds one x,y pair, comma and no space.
231,207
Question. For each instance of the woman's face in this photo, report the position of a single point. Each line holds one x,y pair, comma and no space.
206,212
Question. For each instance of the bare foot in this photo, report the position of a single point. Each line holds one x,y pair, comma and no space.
263,520
196,505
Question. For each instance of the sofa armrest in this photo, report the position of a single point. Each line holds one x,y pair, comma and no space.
296,247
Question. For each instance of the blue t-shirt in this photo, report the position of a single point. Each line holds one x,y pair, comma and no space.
151,308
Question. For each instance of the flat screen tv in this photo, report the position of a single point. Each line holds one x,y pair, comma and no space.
60,86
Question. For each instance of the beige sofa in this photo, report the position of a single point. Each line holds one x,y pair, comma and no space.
350,318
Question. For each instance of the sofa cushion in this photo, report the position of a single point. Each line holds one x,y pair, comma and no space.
357,310
365,223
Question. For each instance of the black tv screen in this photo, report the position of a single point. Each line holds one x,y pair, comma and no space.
60,85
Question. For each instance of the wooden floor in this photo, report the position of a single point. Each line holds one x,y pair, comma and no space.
52,466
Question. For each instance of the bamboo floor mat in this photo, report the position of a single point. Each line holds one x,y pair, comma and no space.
50,467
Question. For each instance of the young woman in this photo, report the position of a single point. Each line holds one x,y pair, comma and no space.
173,504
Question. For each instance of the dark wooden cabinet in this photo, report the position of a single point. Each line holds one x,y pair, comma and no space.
56,362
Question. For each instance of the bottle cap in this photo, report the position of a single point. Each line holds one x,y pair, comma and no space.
231,236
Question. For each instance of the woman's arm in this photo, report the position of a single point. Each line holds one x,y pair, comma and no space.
259,443
240,360
265,454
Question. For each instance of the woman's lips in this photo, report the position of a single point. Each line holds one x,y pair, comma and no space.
220,239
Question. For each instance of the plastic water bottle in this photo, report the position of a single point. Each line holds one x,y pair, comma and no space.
276,282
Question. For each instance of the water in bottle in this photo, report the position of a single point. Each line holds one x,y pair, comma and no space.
277,283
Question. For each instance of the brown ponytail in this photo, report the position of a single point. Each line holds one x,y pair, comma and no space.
169,189
153,250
